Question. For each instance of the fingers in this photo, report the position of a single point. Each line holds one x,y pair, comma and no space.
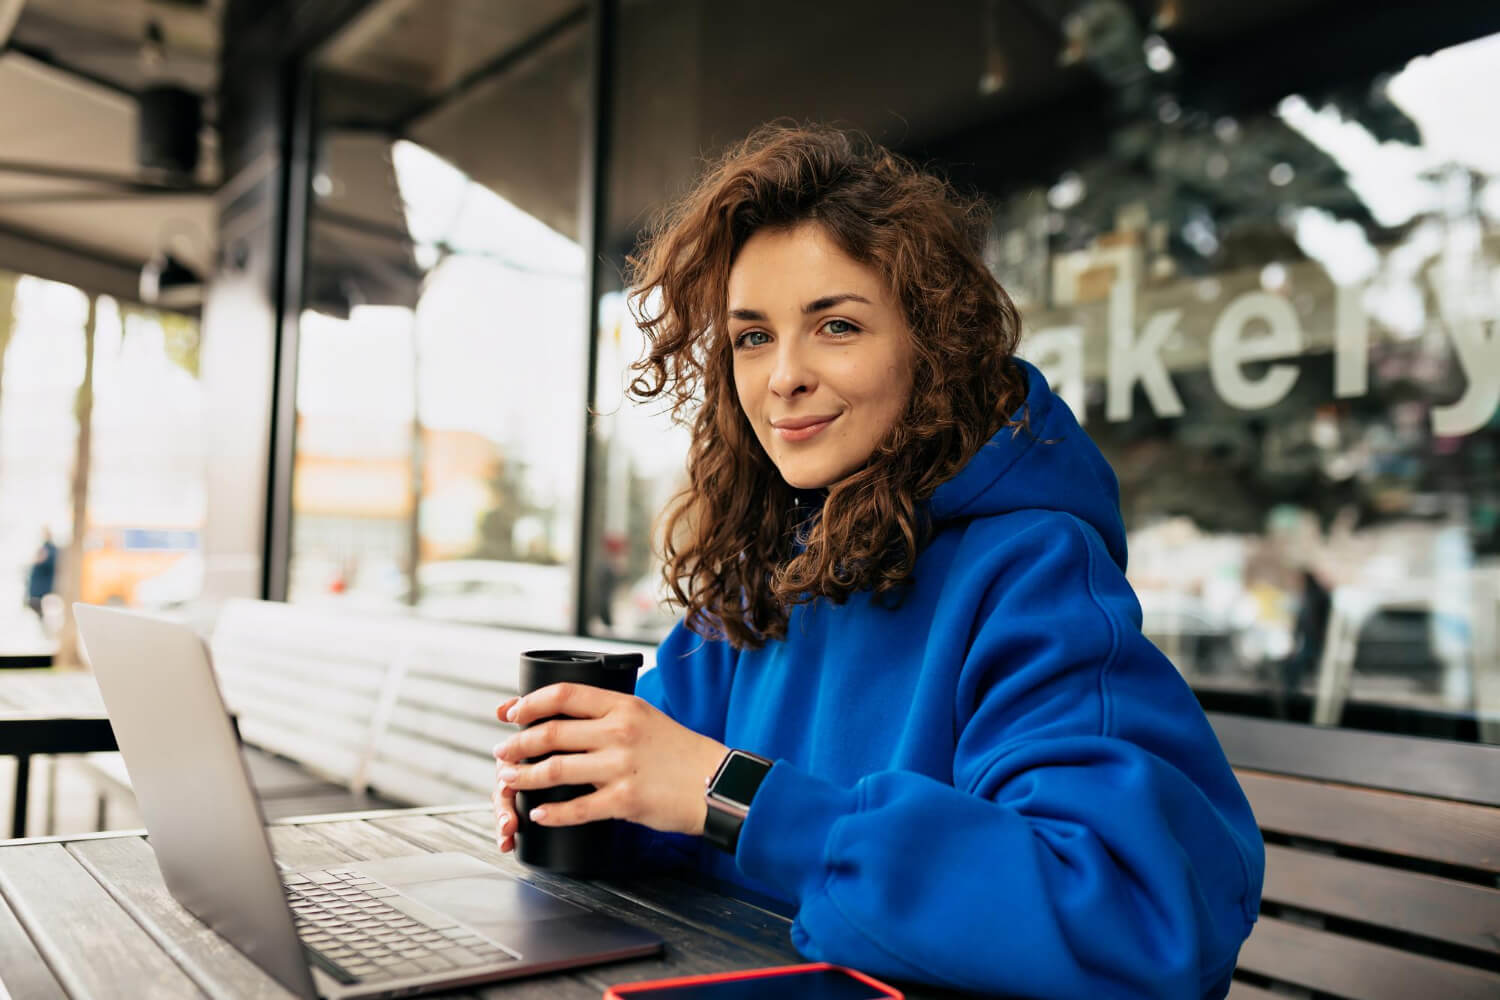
562,769
584,809
580,701
506,819
557,736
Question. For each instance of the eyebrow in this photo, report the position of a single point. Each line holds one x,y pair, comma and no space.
816,305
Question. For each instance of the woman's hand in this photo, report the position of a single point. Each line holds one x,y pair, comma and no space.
645,767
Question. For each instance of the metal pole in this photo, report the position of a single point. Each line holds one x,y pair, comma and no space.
591,236
291,255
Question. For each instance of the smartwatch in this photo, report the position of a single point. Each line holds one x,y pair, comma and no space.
730,791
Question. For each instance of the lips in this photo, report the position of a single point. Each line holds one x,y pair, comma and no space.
801,428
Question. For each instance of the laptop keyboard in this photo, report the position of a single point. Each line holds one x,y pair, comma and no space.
356,929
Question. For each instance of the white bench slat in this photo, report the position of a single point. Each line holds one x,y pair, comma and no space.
437,736
401,704
405,754
445,730
462,701
491,658
322,672
300,724
302,696
327,760
406,785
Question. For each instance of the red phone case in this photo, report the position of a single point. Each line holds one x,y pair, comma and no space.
624,991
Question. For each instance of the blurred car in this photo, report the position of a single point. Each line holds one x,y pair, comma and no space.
179,583
641,611
491,592
118,561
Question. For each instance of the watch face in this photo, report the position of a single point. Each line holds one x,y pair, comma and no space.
740,778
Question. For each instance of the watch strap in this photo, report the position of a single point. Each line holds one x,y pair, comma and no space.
721,823
722,828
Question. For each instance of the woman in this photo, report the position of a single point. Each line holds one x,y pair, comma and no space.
902,562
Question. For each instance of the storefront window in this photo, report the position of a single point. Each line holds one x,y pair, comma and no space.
143,500
640,455
1280,337
1275,312
445,311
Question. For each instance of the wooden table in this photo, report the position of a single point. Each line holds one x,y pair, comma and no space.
48,712
89,916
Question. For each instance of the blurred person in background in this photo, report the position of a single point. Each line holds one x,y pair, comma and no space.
41,578
902,565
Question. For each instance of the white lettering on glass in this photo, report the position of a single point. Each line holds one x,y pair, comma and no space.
1058,353
1478,354
1229,349
1351,343
1132,360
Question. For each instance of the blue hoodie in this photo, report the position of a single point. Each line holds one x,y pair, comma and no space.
999,785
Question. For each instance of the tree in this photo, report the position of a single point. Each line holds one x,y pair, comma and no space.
72,567
8,283
182,338
498,524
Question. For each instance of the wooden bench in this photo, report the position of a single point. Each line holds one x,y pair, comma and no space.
304,683
302,687
344,711
1382,863
433,743
393,707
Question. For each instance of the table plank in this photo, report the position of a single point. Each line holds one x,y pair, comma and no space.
92,945
126,866
23,973
51,692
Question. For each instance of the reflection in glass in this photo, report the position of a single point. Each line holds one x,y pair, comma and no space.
1275,312
1294,374
143,502
445,318
641,461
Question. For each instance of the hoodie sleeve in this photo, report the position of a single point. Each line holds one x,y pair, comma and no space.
1093,842
693,690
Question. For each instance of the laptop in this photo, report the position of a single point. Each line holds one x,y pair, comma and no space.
364,929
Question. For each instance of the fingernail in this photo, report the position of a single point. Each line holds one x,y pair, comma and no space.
509,774
498,748
514,711
538,814
504,825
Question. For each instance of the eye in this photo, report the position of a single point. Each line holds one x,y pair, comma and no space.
840,327
752,338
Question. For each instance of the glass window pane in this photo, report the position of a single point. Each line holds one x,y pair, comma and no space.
1274,310
43,366
144,506
445,325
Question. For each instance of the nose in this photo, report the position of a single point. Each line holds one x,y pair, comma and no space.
791,375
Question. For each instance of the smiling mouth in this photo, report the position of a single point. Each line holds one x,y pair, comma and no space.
804,432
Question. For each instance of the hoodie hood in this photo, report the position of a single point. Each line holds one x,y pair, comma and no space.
1049,465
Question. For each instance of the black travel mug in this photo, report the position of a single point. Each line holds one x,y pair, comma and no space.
589,847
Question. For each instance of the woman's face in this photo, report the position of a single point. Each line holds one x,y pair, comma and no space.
822,353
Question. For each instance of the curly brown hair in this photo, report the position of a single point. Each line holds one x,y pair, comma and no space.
738,552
